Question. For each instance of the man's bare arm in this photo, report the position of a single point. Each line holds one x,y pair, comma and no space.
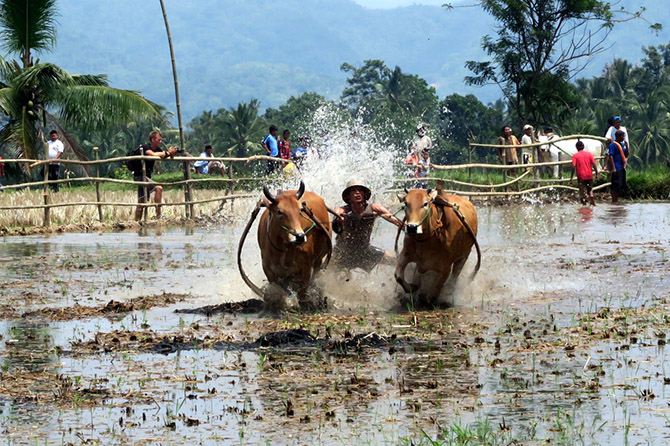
384,213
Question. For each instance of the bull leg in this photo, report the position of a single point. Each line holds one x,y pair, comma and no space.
431,286
458,267
306,303
400,274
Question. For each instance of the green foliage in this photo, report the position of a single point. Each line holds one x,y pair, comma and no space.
536,52
37,96
650,183
296,114
236,131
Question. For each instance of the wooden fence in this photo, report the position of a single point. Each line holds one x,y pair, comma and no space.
527,176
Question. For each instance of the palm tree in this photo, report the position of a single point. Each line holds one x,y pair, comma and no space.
34,95
241,124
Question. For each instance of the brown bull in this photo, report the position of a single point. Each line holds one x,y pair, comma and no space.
294,235
437,239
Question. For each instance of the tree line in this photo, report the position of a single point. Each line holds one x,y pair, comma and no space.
528,59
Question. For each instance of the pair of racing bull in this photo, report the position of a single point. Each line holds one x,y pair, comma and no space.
294,236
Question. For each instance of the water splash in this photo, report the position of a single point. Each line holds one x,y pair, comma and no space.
343,149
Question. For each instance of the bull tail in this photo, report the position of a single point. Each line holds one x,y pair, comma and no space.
246,279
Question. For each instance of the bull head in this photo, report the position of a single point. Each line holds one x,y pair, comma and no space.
418,205
285,211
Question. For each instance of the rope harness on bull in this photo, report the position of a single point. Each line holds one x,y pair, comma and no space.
439,201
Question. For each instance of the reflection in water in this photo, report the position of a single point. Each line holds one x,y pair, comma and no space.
150,254
586,213
148,232
30,347
616,214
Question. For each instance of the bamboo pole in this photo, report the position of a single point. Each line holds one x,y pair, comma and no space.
188,192
97,183
145,209
47,198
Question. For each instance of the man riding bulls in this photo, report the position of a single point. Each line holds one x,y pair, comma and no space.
354,226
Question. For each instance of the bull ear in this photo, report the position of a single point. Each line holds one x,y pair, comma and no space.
432,194
268,195
301,190
402,198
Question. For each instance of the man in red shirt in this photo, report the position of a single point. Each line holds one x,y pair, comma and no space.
582,162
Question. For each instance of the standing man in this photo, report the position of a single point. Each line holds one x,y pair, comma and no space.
272,148
527,138
615,160
422,141
582,161
204,167
616,125
56,150
354,228
508,139
152,149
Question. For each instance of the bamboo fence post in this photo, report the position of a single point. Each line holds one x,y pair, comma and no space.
145,209
231,186
504,158
97,183
188,191
469,161
47,200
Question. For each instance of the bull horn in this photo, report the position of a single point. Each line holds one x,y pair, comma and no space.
269,195
301,190
429,190
406,191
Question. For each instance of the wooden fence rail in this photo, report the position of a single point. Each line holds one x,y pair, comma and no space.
190,201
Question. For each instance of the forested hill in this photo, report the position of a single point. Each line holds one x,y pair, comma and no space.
232,50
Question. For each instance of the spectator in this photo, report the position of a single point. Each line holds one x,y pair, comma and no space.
285,146
421,141
582,161
423,170
616,125
301,152
272,148
151,149
204,167
615,160
56,150
527,138
508,139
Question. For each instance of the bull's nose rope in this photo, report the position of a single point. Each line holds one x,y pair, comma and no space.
294,233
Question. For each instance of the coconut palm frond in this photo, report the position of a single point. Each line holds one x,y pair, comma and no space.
27,25
94,107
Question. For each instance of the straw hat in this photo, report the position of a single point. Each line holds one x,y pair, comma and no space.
356,183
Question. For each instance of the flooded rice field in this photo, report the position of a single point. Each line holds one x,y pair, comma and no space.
124,338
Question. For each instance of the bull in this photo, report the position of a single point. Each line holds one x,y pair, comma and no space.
294,237
440,230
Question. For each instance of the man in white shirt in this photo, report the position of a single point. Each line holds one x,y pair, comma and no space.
204,167
56,149
527,138
610,135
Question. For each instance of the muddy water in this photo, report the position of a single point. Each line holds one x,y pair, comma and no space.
561,336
